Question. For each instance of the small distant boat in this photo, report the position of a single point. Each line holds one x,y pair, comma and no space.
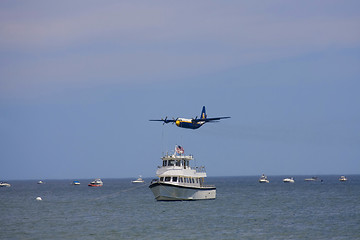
40,182
75,183
5,184
139,180
289,180
263,179
96,183
312,179
342,179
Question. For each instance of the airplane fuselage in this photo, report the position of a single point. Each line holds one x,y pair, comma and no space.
188,123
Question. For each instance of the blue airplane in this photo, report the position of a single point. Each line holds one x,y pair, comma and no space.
193,123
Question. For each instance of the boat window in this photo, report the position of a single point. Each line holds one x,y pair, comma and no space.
174,179
161,179
164,163
181,179
167,179
197,180
171,163
178,163
193,181
187,180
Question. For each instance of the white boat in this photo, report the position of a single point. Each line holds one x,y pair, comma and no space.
263,179
40,182
289,180
139,180
178,181
311,179
96,183
342,179
314,179
5,184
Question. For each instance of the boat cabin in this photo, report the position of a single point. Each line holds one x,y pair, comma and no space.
176,170
197,181
179,163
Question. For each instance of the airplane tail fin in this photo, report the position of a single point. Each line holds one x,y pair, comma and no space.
203,113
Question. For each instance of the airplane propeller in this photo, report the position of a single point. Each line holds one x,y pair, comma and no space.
165,121
194,119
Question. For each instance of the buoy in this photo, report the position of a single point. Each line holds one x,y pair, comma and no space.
39,198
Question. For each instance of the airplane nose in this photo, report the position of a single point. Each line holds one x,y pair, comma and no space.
177,123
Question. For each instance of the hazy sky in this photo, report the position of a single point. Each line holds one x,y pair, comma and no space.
79,81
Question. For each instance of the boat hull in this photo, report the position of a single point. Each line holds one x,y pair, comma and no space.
94,185
169,192
288,181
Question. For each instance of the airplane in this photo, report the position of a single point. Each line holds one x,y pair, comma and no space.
193,123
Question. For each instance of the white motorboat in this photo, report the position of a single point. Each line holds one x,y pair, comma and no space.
5,184
263,179
40,182
311,179
342,179
96,183
178,181
139,180
289,180
314,179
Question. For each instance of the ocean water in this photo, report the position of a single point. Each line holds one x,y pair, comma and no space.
243,209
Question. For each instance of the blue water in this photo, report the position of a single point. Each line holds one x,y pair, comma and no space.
244,209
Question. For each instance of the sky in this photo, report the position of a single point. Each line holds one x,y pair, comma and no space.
80,80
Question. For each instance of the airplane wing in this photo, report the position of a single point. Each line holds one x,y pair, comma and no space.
163,120
209,119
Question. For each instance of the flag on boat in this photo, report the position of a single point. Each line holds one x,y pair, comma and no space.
179,149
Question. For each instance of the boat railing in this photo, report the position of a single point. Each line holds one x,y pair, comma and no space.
197,169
